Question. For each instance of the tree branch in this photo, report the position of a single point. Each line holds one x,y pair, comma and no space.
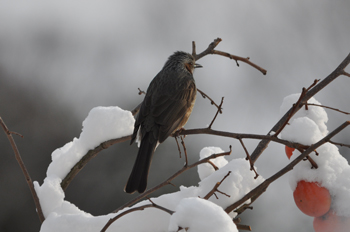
152,205
211,50
331,77
24,169
256,192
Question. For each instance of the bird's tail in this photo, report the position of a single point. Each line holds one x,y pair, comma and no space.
138,177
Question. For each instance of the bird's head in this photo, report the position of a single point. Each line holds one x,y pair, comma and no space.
182,61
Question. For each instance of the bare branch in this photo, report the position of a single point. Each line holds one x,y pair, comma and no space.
24,169
331,77
248,158
238,58
185,151
339,144
93,153
217,112
215,188
211,100
210,50
331,108
346,74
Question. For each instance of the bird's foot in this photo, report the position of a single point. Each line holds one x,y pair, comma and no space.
177,133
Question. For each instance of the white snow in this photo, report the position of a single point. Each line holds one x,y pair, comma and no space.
102,124
333,172
105,123
207,169
200,215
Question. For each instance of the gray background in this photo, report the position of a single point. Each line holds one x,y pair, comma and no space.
60,59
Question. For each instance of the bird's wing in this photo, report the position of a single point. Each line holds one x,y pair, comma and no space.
169,110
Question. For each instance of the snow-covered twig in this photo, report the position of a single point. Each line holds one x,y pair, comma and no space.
152,205
86,158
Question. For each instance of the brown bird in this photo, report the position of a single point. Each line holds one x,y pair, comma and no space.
166,108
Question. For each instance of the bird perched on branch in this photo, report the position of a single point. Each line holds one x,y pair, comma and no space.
166,108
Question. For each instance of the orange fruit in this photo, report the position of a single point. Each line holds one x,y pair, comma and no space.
289,151
331,222
312,199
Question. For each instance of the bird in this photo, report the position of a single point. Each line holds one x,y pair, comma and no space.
166,108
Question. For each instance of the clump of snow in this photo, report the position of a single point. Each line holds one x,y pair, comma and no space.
200,215
308,127
102,124
238,183
315,113
207,169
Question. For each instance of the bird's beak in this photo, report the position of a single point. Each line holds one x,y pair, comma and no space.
198,66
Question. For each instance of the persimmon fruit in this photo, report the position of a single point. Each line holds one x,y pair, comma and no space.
312,199
289,151
331,222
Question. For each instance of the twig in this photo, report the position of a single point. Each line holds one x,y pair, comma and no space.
331,77
185,151
153,205
339,144
238,58
211,50
213,165
331,108
346,73
248,158
217,112
238,136
167,181
244,227
24,169
256,192
211,100
215,188
141,91
178,146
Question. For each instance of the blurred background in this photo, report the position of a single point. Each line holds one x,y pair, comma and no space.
59,59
